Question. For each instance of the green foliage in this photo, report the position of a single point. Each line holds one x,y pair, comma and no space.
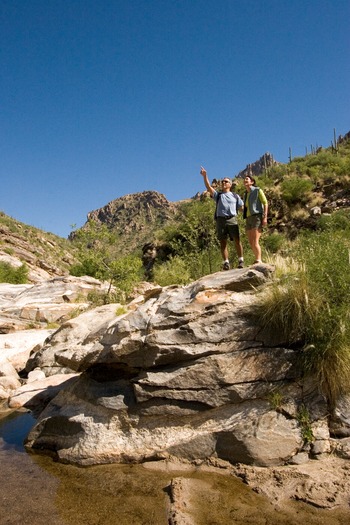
125,272
275,399
96,246
173,271
337,221
311,306
98,257
192,240
88,266
304,421
273,243
121,310
296,189
195,229
9,274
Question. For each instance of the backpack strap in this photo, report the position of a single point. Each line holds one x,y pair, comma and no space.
217,202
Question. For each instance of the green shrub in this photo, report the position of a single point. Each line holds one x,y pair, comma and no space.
99,298
9,274
311,307
338,220
273,243
173,271
89,266
296,189
304,421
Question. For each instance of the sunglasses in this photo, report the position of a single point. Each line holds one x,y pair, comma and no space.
227,181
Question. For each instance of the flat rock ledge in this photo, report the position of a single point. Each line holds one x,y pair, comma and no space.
185,374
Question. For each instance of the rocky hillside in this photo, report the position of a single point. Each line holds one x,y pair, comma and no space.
258,167
46,255
135,217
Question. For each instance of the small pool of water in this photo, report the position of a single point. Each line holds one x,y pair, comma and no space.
37,491
13,429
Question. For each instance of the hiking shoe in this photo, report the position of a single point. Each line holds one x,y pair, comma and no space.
240,264
226,266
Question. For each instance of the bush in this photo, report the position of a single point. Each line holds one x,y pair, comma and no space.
296,190
273,243
311,307
9,274
173,271
337,221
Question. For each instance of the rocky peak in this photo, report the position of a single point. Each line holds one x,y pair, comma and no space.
135,216
259,166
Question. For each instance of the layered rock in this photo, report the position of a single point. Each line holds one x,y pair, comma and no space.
40,306
55,300
186,374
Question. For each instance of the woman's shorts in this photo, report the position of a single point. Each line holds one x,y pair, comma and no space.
227,228
254,222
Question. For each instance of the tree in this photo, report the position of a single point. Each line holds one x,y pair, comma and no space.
98,257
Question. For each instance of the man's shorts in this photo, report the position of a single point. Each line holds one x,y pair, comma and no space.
227,228
254,222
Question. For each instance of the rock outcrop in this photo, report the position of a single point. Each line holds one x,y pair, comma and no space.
186,374
54,300
134,217
28,314
259,166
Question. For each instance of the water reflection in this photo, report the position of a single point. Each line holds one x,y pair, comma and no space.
13,428
40,491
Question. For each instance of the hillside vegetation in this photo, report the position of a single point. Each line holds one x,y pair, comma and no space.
28,254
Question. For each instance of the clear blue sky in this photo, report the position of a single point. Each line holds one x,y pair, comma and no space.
101,98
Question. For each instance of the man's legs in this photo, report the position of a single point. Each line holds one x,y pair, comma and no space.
224,249
239,247
235,237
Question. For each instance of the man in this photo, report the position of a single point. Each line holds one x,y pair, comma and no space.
227,206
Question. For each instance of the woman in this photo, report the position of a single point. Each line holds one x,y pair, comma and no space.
255,213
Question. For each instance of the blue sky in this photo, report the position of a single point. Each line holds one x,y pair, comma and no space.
102,98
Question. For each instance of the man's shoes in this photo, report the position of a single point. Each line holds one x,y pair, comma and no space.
226,266
240,264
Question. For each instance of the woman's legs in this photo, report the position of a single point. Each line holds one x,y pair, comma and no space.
253,238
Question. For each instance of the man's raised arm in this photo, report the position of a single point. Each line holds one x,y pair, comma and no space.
206,181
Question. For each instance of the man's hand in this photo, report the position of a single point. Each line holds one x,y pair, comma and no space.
206,181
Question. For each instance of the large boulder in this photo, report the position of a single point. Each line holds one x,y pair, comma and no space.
186,374
66,349
16,347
